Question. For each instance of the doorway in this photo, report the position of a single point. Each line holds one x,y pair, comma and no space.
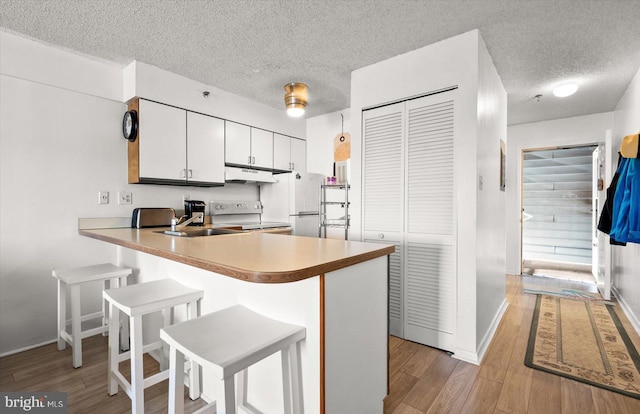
557,213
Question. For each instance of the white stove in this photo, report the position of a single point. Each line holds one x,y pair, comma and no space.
244,214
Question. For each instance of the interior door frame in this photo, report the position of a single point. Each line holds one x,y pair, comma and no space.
605,290
608,174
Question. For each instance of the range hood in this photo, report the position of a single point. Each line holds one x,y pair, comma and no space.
246,175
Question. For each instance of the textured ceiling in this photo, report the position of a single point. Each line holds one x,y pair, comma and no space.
252,48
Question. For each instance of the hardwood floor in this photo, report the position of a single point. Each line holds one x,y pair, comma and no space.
426,380
47,369
422,379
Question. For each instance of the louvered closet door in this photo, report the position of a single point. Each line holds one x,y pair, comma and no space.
396,308
430,281
383,132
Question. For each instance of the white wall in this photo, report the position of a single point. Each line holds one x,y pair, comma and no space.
565,132
491,202
150,82
452,62
321,131
61,143
626,260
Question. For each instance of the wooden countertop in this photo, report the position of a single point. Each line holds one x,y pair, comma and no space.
253,257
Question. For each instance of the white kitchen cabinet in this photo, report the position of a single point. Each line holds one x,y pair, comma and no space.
162,138
408,200
281,152
289,153
175,146
248,146
237,150
205,149
298,155
262,148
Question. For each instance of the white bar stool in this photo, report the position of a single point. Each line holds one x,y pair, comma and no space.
73,278
136,301
228,342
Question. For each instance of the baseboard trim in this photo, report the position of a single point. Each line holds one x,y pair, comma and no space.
635,322
26,348
476,357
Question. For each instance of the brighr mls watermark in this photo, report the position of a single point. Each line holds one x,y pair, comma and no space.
33,402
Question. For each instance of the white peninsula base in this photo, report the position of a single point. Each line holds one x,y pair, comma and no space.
344,356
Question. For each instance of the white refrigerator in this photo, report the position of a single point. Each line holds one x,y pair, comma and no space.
293,198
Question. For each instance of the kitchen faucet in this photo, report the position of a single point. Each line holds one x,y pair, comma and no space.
177,223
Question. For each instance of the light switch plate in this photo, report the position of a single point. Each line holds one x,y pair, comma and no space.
103,197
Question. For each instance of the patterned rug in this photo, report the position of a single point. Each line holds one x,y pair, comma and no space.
584,341
565,293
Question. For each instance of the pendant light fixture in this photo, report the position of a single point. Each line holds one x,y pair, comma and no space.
295,98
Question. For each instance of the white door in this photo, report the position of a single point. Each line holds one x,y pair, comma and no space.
205,148
430,281
601,253
163,146
237,148
298,155
383,196
281,152
261,148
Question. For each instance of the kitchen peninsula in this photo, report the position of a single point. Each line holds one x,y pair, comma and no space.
337,289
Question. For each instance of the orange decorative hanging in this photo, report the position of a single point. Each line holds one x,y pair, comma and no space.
342,145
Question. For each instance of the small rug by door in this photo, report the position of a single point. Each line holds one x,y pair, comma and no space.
564,293
584,341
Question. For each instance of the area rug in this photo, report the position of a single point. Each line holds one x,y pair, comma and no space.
565,293
584,341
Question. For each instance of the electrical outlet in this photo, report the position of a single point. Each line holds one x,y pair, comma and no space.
103,197
124,197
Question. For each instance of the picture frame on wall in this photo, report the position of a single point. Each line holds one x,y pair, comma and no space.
503,166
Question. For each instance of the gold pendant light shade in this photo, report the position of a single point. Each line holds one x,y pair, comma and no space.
295,98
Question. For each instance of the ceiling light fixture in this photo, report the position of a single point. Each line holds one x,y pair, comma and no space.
295,98
565,90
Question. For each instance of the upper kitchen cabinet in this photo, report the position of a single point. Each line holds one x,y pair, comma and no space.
175,146
248,146
205,149
289,153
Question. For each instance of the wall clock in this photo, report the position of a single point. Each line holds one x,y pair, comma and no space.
130,125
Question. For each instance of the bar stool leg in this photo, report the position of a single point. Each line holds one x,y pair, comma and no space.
124,332
226,403
286,380
76,331
62,314
296,378
167,319
193,311
137,374
114,326
243,380
106,284
176,381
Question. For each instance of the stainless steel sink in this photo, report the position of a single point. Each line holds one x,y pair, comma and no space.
197,232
